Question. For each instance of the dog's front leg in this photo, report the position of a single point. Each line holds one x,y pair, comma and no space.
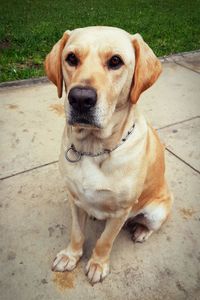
66,260
98,266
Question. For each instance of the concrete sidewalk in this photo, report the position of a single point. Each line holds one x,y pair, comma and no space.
35,218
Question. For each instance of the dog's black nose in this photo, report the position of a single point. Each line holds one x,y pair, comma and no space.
82,98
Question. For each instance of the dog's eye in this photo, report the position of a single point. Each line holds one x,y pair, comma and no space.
115,62
72,60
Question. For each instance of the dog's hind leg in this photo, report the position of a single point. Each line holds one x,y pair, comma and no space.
149,219
139,232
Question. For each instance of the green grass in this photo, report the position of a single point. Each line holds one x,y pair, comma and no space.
29,28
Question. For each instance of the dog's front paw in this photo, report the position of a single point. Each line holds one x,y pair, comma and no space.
65,261
96,271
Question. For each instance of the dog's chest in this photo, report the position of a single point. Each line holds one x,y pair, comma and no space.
102,192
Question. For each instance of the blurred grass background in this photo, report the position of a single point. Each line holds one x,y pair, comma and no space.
29,28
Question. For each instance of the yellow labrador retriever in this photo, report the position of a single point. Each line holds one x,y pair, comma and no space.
111,159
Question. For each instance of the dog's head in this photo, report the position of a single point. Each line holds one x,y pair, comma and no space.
102,68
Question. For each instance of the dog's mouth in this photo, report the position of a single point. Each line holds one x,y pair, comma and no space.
83,122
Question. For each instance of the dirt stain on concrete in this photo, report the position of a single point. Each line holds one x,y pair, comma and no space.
12,106
187,213
61,227
51,231
58,109
11,255
44,281
181,287
63,280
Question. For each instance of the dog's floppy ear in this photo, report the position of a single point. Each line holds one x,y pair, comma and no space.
53,63
147,67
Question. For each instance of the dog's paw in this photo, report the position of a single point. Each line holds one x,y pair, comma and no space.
96,271
140,233
64,261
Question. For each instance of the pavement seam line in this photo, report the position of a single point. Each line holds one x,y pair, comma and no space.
56,161
24,82
176,123
179,64
32,169
53,162
44,79
182,160
182,54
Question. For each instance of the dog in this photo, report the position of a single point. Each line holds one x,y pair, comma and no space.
111,159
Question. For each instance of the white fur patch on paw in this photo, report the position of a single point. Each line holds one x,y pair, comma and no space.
64,261
140,233
96,271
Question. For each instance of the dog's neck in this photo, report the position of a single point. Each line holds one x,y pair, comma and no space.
92,140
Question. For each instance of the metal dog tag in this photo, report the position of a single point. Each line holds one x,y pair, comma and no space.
72,156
